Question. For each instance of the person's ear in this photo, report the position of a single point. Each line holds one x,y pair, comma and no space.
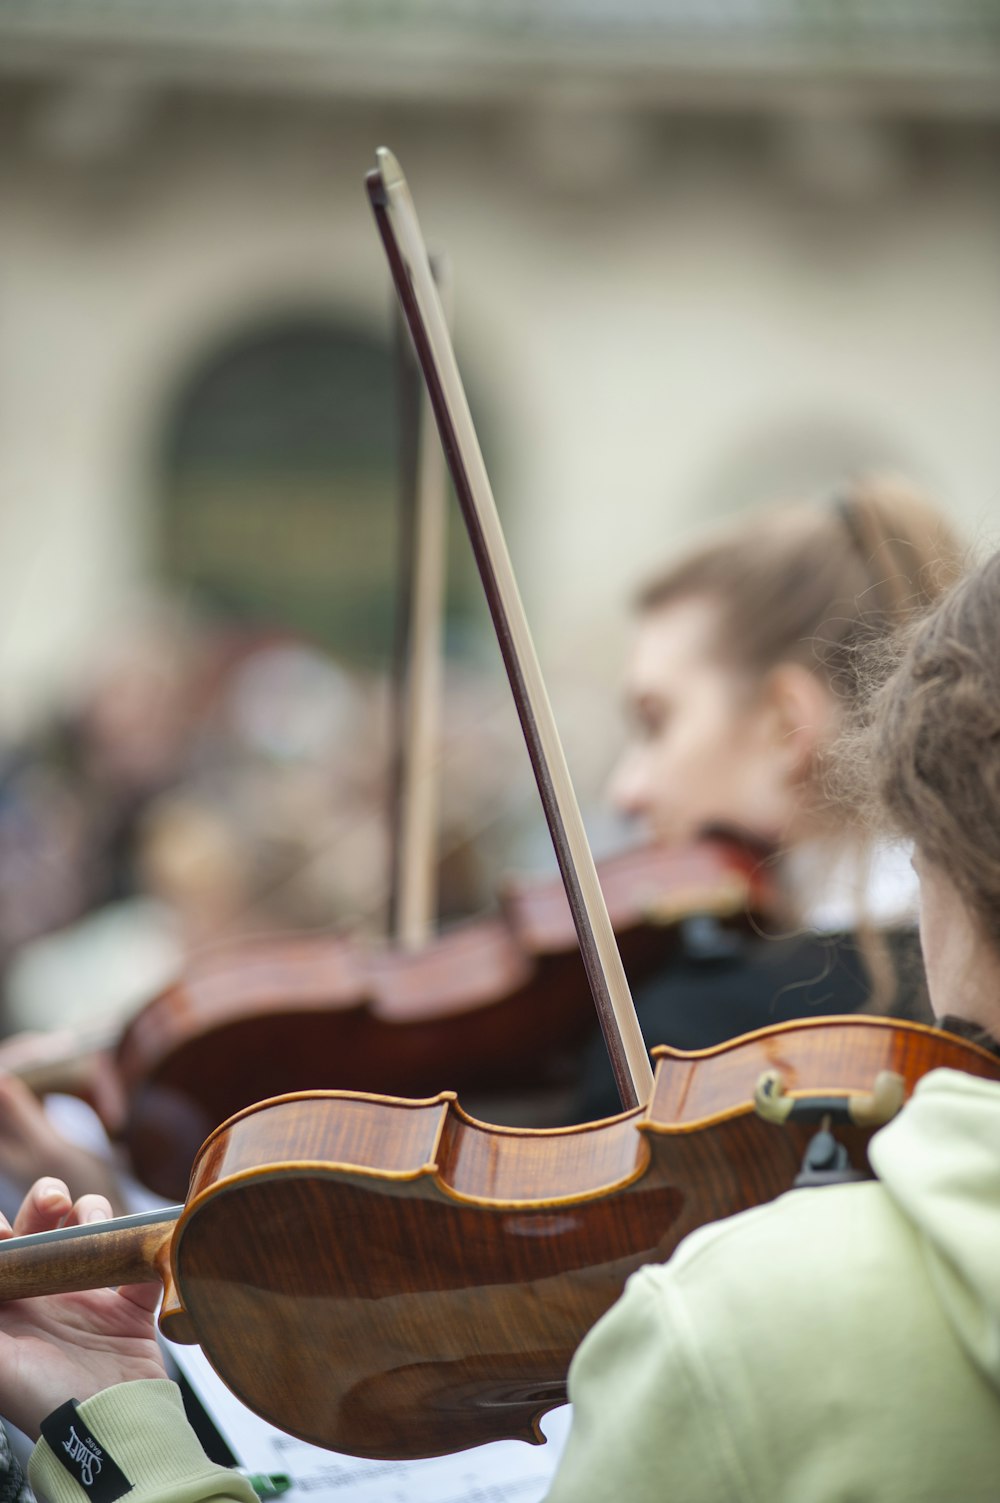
800,716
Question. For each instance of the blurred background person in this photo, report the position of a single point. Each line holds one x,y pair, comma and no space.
747,654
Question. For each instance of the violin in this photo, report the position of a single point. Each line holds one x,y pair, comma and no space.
493,1004
394,1279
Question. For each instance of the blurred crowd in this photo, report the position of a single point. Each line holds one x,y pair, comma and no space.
210,782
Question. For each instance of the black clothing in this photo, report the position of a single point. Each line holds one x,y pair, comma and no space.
709,994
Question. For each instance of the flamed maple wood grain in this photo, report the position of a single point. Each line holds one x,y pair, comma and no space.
391,1278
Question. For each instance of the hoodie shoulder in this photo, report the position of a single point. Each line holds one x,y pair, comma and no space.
939,1162
817,1318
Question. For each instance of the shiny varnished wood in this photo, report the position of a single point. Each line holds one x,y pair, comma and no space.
815,1059
394,1279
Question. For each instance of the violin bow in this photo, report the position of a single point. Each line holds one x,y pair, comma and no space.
404,246
418,668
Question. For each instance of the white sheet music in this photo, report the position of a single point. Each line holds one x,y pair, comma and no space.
505,1472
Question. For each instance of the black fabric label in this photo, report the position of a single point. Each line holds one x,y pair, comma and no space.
89,1463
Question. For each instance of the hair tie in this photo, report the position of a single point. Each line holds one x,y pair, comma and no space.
843,507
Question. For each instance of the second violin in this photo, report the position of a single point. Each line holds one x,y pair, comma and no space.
494,1005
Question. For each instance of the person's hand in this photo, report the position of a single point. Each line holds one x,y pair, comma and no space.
31,1145
77,1063
70,1346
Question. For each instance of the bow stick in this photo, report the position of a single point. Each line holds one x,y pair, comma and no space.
420,623
408,262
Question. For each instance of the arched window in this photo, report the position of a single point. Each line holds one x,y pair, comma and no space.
281,486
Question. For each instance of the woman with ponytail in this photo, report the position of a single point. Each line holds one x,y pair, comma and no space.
746,661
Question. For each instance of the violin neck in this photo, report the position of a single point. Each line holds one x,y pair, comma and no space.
127,1250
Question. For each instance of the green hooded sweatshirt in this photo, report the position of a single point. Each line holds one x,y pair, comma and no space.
839,1345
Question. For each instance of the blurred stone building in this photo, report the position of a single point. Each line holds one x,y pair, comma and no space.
704,255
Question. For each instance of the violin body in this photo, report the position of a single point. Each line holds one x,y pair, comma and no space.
493,1005
395,1279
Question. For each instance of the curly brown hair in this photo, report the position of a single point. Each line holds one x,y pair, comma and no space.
930,752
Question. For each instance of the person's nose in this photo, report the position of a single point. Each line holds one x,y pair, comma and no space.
628,786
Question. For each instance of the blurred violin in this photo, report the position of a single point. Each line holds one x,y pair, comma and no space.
491,1005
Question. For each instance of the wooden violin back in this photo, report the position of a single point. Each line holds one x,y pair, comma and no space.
380,1310
394,1279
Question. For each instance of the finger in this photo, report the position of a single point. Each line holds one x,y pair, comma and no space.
88,1208
18,1104
43,1208
21,1049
